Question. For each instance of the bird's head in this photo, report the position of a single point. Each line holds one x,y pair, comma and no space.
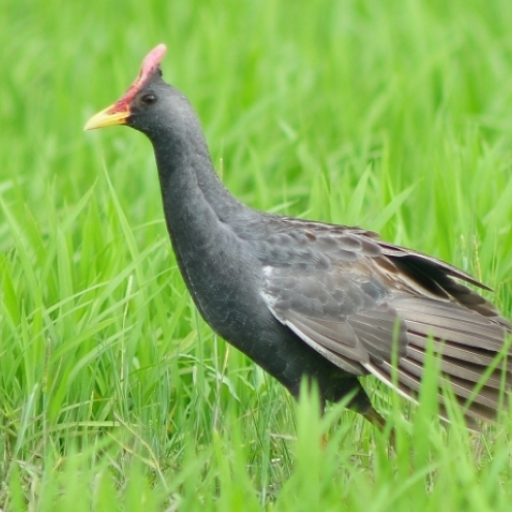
142,105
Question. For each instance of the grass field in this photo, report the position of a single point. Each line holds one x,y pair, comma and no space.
114,394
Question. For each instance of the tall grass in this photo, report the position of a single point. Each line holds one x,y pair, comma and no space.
114,394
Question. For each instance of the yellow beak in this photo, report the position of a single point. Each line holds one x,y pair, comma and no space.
110,116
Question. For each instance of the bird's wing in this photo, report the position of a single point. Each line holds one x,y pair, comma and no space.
378,311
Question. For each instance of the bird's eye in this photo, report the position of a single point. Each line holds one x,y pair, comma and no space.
148,99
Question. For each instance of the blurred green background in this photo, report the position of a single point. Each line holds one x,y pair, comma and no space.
391,115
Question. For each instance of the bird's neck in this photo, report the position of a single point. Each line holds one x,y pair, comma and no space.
188,180
200,213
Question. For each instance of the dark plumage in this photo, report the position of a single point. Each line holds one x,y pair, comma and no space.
304,298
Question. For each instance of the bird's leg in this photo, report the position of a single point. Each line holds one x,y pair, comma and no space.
374,418
371,415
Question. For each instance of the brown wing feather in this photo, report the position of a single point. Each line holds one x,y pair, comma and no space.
390,304
468,345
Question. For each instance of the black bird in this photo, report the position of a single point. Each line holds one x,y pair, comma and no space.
308,299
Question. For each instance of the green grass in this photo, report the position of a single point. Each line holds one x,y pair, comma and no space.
114,394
